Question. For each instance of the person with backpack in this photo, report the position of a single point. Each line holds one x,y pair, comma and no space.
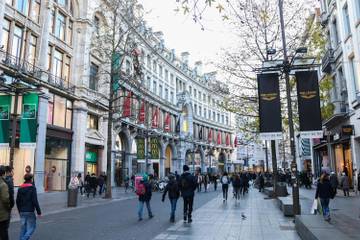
144,191
225,185
187,189
27,203
4,206
174,193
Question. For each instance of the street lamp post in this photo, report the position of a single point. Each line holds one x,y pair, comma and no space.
295,186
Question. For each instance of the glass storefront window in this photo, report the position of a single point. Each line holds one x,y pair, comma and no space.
59,111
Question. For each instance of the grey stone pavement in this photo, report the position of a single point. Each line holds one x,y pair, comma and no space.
223,221
56,202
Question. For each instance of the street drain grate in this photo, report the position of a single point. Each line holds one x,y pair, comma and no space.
287,228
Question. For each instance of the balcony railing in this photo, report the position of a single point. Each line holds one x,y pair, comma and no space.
327,60
24,67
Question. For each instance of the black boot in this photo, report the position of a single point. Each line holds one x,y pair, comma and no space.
189,219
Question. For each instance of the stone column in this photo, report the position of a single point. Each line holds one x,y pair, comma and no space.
39,166
162,167
2,13
45,21
79,136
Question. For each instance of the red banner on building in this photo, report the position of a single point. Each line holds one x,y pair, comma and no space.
141,117
155,118
210,135
227,140
127,105
219,138
167,122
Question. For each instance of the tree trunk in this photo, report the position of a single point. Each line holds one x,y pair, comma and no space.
274,166
108,193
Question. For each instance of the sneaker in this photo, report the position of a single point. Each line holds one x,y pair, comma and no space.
140,219
190,220
151,216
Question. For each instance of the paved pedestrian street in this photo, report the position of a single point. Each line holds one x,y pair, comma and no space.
253,218
212,219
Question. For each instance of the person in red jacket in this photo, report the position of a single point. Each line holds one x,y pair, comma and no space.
27,203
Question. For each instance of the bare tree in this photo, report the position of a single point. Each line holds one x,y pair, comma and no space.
114,42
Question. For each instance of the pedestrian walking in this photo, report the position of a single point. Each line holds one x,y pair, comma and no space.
173,190
127,183
206,181
199,181
187,188
81,184
236,183
324,191
92,185
27,203
144,191
334,183
101,182
9,173
225,185
5,208
214,179
345,185
261,182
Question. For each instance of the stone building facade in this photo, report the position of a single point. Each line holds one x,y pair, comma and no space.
46,45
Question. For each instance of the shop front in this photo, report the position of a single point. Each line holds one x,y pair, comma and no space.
92,159
57,159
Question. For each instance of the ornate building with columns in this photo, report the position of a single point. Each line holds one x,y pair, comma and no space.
173,117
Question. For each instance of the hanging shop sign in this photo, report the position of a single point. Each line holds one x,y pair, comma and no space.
269,106
5,106
154,146
28,122
90,157
347,130
309,104
140,143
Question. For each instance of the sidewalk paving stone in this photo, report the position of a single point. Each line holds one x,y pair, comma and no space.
218,220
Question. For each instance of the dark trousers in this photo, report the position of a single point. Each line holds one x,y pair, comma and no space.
101,188
215,185
225,189
199,187
188,206
4,227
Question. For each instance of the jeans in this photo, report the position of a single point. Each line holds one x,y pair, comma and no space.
173,207
4,227
101,188
237,192
325,207
225,189
188,206
28,225
141,207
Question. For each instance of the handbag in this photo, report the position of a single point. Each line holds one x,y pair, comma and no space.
314,207
319,207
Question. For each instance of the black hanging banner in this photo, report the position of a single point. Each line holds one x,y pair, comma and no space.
269,106
309,104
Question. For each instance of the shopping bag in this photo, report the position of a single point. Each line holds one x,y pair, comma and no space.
314,207
319,207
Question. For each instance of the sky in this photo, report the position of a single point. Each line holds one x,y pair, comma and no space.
184,35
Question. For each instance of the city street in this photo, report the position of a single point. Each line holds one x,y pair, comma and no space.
212,220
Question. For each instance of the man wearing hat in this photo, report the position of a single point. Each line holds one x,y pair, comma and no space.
187,188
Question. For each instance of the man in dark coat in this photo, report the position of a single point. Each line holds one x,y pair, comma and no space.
92,185
188,185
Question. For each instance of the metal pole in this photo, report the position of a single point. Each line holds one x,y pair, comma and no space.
14,129
146,152
266,157
295,187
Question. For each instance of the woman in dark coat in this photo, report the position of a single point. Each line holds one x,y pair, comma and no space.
324,191
174,193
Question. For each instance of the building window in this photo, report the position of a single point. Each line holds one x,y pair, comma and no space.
172,79
195,93
195,109
148,81
58,63
357,3
166,75
23,6
160,71
166,94
35,10
353,72
218,117
62,2
154,87
205,111
17,42
92,122
204,97
5,35
222,119
32,49
160,90
97,24
227,120
209,113
59,111
128,67
335,34
200,111
148,60
154,67
60,26
69,32
190,90
172,97
214,117
93,81
346,21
